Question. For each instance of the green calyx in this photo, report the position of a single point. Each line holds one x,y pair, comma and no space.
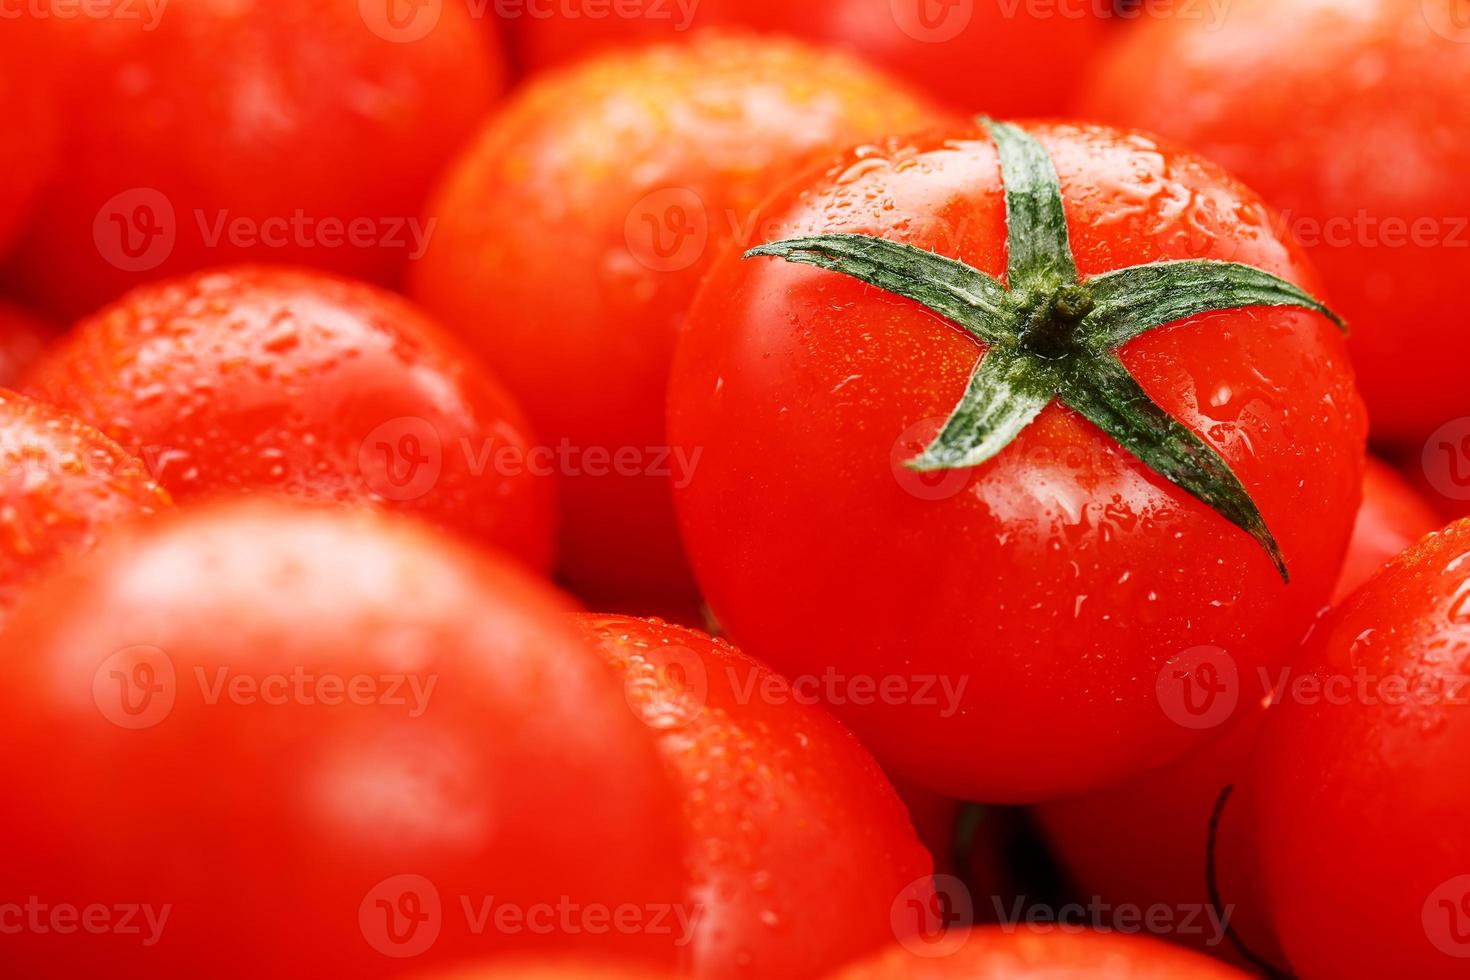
1053,337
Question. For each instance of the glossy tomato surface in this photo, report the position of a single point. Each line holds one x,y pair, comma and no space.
797,845
1005,633
974,55
261,379
63,485
22,338
317,742
1046,953
572,236
1361,786
1142,843
1275,91
206,132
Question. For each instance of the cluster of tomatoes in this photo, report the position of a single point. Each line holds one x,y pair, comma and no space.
1005,448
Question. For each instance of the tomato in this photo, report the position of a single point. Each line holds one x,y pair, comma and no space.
1360,766
63,485
267,379
796,844
22,338
1349,117
1019,618
208,132
320,743
1014,59
1142,843
571,239
545,969
1005,953
28,128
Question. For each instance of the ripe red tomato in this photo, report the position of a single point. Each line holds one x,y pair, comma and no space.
206,132
62,484
22,338
1142,843
1004,953
1047,595
28,127
284,380
571,239
319,743
1011,59
1361,797
1275,91
796,844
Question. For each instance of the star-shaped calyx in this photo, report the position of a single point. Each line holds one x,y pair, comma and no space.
1052,336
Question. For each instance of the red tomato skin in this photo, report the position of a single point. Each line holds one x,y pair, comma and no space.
1275,92
796,841
29,128
250,132
1005,953
1061,577
63,485
539,265
263,379
22,339
1142,842
1352,792
268,825
1033,62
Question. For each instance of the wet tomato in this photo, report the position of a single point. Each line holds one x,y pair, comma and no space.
303,742
1033,574
261,379
571,239
22,339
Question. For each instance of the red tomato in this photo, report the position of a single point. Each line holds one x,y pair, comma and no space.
571,239
1052,588
62,484
1350,118
1004,58
206,132
258,378
1360,790
22,338
548,969
28,127
796,844
321,743
1003,953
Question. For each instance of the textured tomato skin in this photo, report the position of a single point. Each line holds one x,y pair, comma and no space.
63,484
22,338
1033,62
1142,842
998,953
796,842
246,112
267,379
542,260
29,128
1058,580
1274,92
1351,791
267,825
